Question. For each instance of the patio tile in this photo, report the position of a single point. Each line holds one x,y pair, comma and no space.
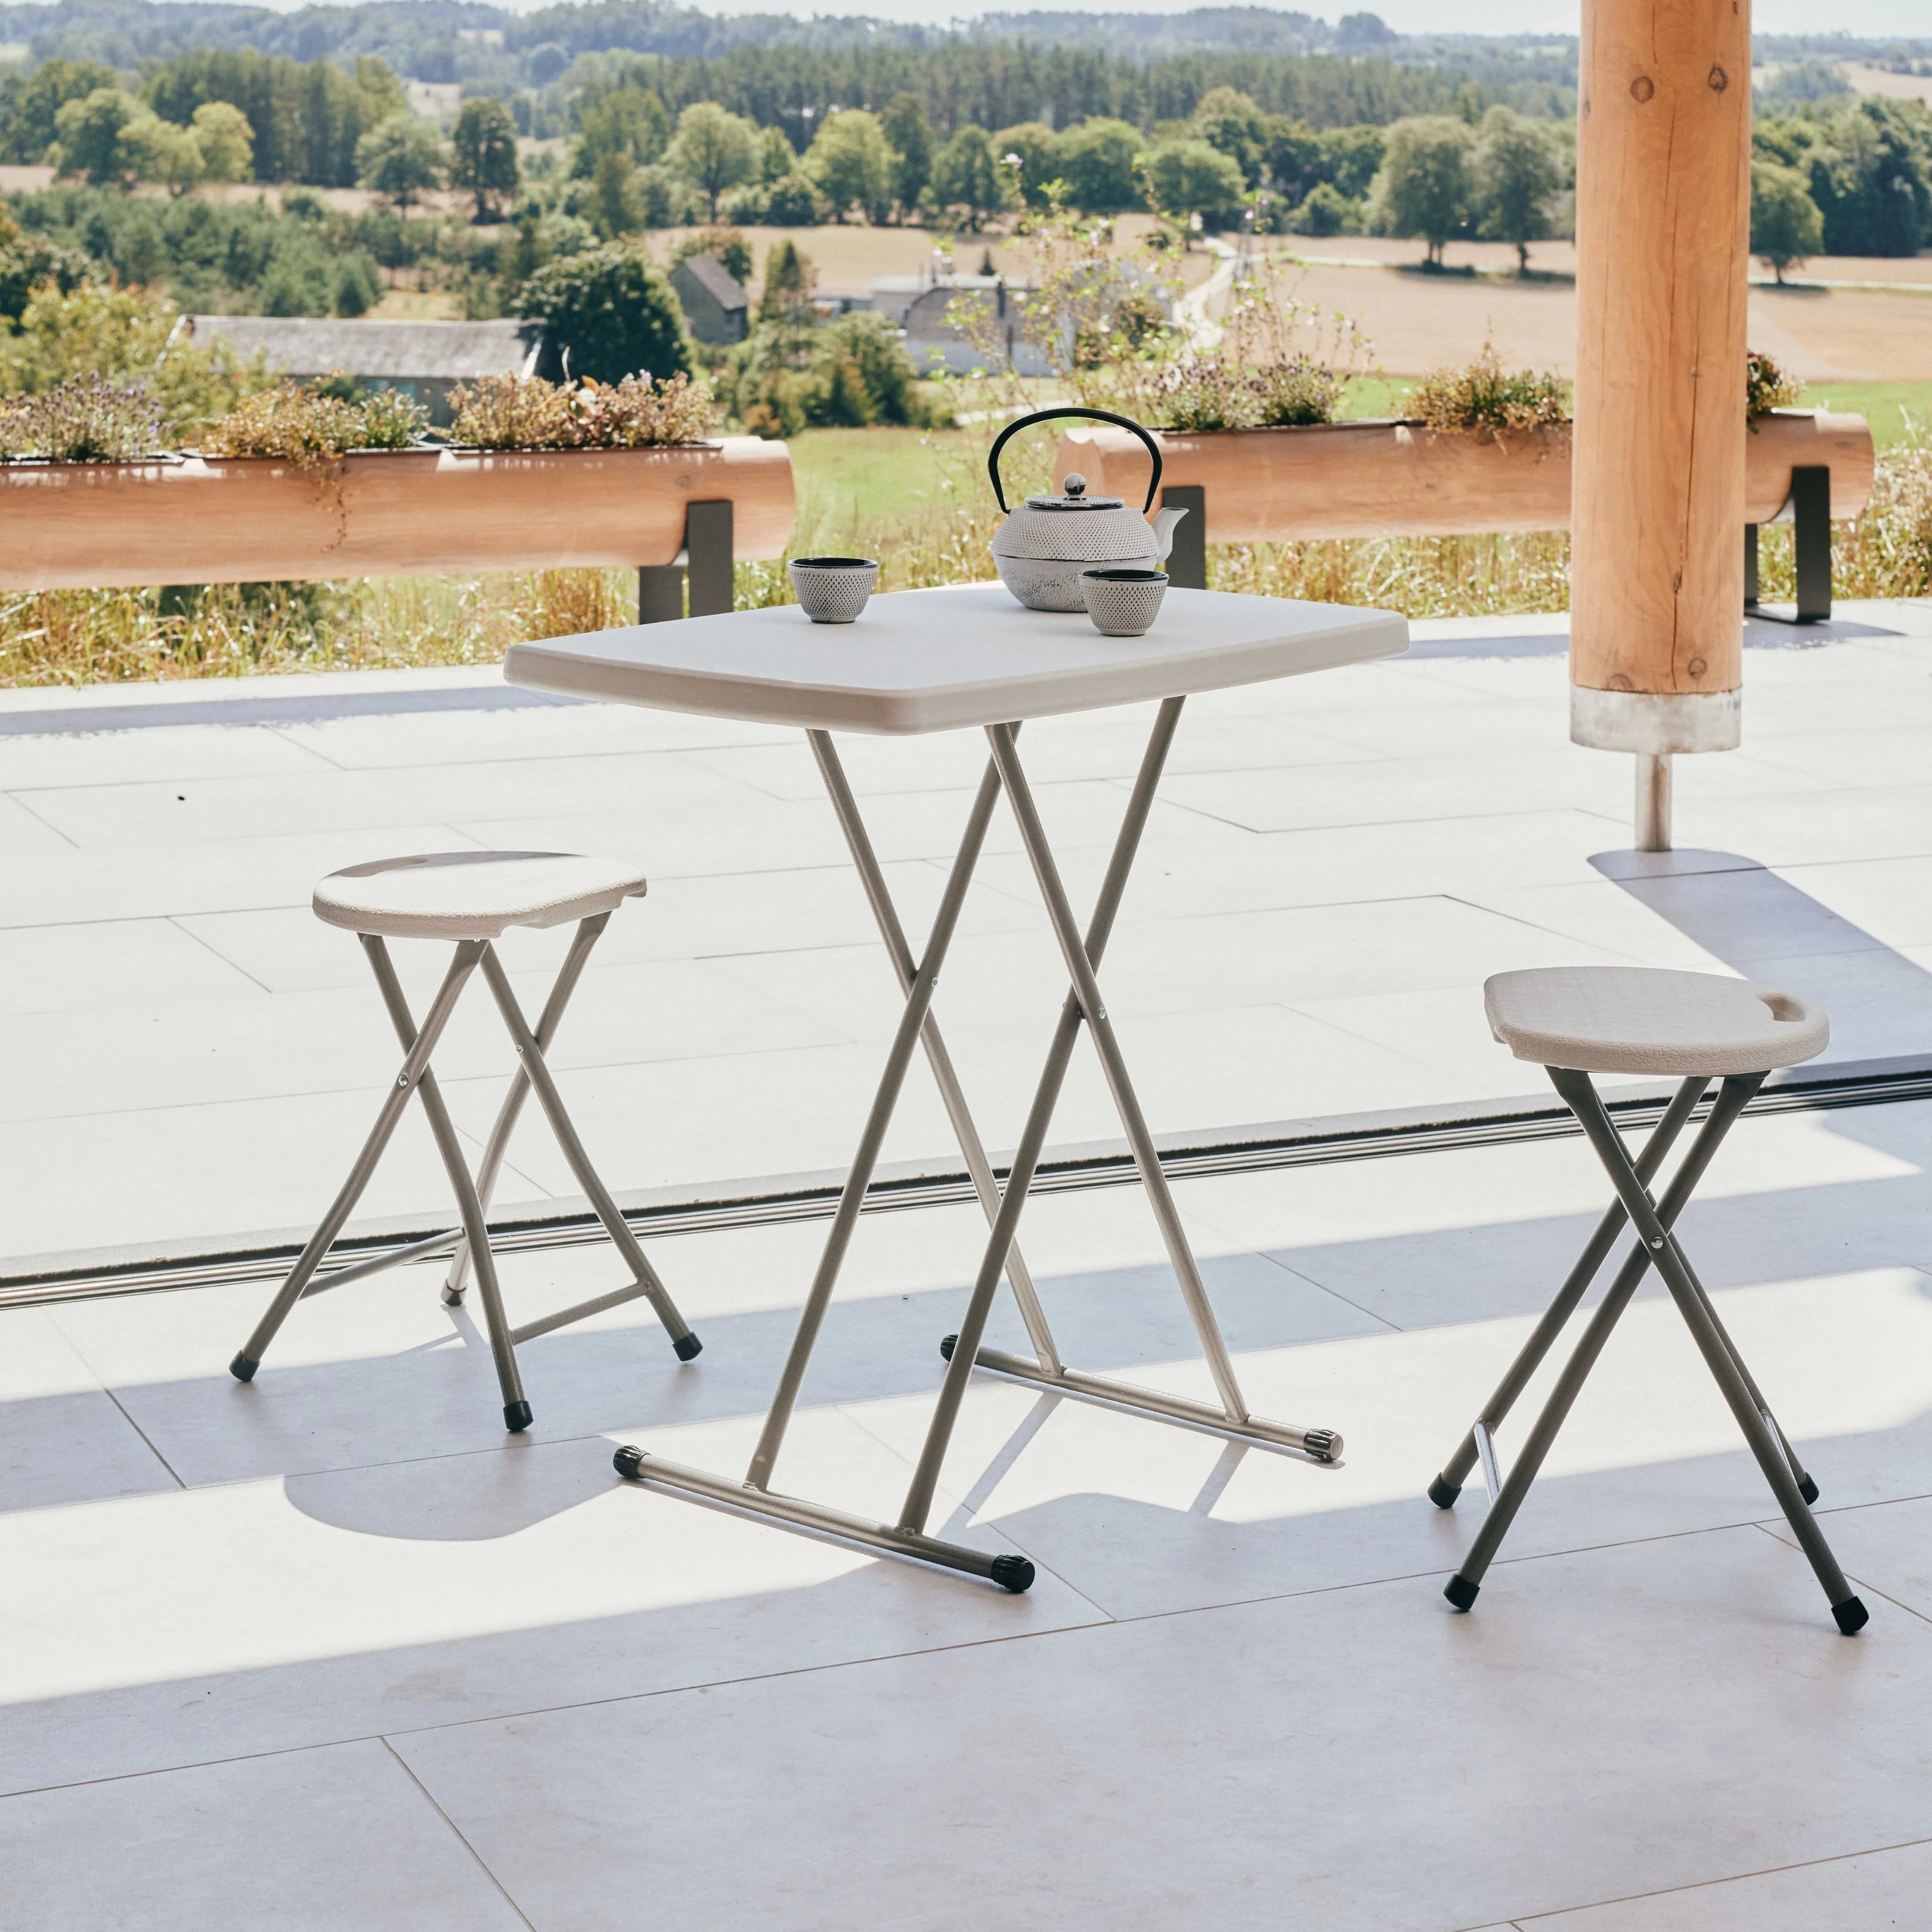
287,1612
1890,899
23,833
46,969
62,1438
1870,1892
56,884
169,1173
308,1843
1862,823
1110,1776
1879,1000
1885,1546
74,755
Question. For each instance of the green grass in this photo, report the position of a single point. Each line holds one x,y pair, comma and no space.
1884,405
1376,396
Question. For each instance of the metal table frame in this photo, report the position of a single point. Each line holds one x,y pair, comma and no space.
1085,1006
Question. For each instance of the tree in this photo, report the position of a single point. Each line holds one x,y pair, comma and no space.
628,121
1095,160
728,246
1192,178
777,157
483,149
1785,223
1423,189
712,150
32,101
160,151
226,141
607,314
1516,166
1295,159
790,279
795,203
909,134
91,135
852,162
401,158
967,175
1227,119
1350,158
1027,149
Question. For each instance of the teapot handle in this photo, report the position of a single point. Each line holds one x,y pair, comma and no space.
1012,429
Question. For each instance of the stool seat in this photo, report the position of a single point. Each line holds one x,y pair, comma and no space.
473,895
1638,1019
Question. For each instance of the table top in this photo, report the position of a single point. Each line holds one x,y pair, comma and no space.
941,660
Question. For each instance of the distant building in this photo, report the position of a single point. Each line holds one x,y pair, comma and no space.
421,360
932,340
716,308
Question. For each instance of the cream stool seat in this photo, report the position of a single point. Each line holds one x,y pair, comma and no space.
473,895
1636,1019
1697,1028
470,898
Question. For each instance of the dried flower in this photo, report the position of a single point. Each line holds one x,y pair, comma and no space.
1484,396
527,413
1766,385
88,419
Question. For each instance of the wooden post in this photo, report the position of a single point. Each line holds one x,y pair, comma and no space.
1663,230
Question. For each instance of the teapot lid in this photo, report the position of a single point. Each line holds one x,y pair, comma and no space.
1074,497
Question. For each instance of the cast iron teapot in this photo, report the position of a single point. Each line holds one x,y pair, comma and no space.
1043,546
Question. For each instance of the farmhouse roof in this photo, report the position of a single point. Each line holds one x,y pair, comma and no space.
382,351
717,280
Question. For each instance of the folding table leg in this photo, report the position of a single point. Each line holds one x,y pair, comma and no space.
1448,1485
754,1495
516,1410
415,1063
1693,1305
885,914
644,1277
963,1351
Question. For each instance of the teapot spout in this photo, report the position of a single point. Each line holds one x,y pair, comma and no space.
1164,521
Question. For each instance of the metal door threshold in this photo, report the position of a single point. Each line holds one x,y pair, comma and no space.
657,1214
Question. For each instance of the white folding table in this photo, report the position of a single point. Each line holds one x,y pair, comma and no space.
920,661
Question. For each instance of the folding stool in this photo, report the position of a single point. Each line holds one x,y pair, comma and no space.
471,897
1696,1027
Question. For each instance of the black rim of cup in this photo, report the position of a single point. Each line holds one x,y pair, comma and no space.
1126,576
835,563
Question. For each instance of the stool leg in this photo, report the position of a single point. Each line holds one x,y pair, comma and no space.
567,975
536,1069
417,1049
1462,1587
1448,1485
1692,1303
516,1410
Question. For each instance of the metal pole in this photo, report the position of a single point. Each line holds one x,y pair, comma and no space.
858,843
1653,801
852,1197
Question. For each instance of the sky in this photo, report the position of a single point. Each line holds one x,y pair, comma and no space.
1873,18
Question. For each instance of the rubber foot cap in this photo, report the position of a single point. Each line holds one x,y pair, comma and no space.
629,1462
1016,1574
946,1347
1851,1616
1443,1495
516,1417
1461,1591
686,1348
1808,1489
452,1297
243,1368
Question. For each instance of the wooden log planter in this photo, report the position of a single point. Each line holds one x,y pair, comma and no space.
1390,479
208,520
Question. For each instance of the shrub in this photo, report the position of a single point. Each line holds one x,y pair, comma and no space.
84,419
1298,391
1326,211
527,412
607,314
1767,386
1482,395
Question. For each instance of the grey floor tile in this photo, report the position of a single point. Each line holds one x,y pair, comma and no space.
1355,1760
313,1842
